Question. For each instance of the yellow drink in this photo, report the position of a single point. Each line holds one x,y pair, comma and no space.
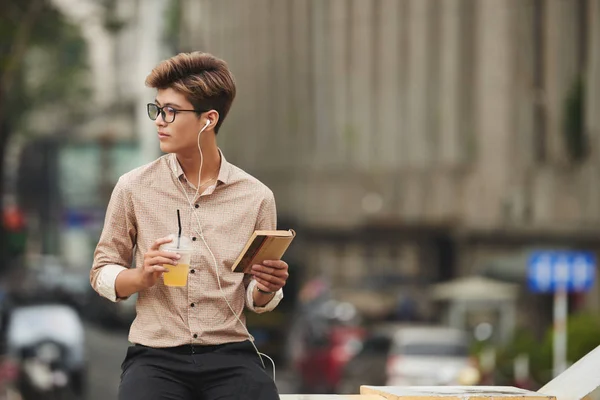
177,275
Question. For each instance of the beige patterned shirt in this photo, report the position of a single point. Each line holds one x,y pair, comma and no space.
143,207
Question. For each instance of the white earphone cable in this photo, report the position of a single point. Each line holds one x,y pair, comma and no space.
216,265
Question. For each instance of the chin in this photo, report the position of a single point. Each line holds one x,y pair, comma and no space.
165,148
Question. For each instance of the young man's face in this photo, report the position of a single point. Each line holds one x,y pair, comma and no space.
181,135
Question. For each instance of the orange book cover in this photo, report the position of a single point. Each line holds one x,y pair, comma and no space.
261,246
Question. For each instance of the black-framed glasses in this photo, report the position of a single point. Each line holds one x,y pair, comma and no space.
167,113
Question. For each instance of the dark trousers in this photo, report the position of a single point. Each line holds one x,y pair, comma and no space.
231,371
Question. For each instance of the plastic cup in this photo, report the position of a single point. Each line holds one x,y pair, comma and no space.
178,274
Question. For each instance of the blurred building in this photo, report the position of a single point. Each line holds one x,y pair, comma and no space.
416,139
78,162
407,141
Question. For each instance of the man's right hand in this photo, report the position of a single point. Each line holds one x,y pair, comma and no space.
133,280
154,259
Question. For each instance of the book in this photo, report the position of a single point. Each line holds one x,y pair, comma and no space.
261,246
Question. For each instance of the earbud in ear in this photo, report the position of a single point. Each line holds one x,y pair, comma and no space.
208,121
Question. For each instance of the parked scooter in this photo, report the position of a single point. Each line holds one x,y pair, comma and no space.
46,345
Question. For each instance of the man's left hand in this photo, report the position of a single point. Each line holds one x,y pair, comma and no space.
271,275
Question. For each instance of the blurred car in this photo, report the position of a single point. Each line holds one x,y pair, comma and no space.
104,312
324,336
368,366
324,359
431,356
48,279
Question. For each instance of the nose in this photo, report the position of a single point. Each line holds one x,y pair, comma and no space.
159,121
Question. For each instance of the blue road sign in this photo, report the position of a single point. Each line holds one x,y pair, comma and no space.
573,271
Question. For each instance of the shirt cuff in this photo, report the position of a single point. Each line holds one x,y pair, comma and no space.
105,285
270,306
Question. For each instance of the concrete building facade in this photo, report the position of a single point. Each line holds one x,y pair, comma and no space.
424,138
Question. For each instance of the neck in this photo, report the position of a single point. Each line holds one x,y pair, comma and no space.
190,160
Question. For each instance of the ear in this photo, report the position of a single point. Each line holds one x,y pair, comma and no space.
213,116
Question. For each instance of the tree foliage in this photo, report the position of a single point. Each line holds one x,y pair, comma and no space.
42,72
42,61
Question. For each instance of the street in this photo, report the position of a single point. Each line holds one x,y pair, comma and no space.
106,349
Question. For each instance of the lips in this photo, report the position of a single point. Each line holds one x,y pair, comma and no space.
163,135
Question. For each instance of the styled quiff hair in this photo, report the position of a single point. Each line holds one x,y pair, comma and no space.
202,78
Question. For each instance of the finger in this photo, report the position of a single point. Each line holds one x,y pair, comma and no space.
270,279
282,273
160,261
266,286
257,268
160,242
168,254
157,268
165,254
278,264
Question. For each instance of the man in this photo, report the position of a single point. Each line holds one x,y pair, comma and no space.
189,342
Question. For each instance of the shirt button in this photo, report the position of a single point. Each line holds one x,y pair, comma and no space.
197,205
195,336
194,238
192,305
193,271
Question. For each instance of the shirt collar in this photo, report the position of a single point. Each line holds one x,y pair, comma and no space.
224,170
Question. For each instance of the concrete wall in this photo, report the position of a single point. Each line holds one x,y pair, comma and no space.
425,107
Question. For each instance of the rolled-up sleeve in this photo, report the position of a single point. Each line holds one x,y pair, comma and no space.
267,220
114,252
270,306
